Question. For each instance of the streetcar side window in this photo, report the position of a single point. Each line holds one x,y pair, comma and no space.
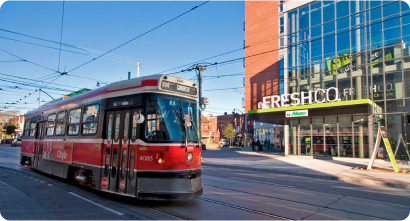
124,163
109,129
126,125
51,121
131,168
74,121
114,163
90,119
107,162
61,123
33,127
27,128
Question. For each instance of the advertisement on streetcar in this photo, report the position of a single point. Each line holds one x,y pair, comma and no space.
59,151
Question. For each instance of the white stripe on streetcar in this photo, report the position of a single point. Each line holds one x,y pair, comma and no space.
97,204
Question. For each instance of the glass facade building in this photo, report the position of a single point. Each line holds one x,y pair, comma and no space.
362,48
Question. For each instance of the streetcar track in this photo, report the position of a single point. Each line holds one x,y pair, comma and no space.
245,209
66,185
292,201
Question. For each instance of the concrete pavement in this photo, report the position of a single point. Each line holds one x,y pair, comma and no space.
341,169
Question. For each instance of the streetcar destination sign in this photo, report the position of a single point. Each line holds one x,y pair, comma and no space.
310,97
171,86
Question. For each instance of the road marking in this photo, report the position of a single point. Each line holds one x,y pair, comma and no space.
97,204
49,184
255,181
10,153
42,182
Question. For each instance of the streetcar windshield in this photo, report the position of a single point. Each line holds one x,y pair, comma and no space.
170,120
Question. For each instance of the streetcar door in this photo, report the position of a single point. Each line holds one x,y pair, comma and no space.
107,150
38,144
124,147
116,151
131,187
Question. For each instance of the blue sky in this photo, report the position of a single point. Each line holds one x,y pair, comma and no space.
212,29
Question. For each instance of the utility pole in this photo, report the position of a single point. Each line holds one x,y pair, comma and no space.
38,98
129,75
138,68
201,101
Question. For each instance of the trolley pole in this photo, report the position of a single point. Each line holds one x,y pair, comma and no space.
200,99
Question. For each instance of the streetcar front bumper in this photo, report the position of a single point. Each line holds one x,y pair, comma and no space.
170,185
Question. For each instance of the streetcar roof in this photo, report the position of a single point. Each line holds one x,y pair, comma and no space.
151,82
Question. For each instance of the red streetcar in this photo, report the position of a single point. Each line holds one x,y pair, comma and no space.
135,137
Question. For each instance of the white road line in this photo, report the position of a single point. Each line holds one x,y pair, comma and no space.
255,181
10,153
97,204
49,184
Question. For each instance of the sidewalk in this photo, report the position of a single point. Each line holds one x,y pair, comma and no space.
341,169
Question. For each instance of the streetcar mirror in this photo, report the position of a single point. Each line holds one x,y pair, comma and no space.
139,118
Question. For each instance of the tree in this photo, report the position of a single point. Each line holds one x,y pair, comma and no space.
10,129
229,132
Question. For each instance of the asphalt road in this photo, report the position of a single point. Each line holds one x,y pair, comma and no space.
228,195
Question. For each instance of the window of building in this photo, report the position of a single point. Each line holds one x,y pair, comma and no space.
90,119
51,121
342,7
74,121
304,17
328,11
292,18
61,123
315,13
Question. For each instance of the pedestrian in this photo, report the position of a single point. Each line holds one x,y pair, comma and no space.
253,145
258,144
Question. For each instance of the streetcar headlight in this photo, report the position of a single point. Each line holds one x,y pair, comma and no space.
159,158
189,157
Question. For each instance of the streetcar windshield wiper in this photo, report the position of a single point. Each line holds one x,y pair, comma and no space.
181,123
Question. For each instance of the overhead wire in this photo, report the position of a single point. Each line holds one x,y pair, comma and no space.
133,39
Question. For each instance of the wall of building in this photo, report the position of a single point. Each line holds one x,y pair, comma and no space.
261,51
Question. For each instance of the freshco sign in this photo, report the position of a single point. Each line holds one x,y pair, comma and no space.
298,113
302,98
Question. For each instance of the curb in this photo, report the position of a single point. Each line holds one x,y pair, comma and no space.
346,179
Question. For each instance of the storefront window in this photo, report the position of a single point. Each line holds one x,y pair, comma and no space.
317,134
331,136
305,137
293,136
346,148
394,106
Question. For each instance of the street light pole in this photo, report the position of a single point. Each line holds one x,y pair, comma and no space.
200,69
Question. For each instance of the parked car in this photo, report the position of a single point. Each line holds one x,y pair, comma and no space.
16,142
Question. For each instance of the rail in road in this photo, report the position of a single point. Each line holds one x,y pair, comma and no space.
225,197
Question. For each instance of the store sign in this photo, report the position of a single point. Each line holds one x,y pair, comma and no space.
298,113
302,98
